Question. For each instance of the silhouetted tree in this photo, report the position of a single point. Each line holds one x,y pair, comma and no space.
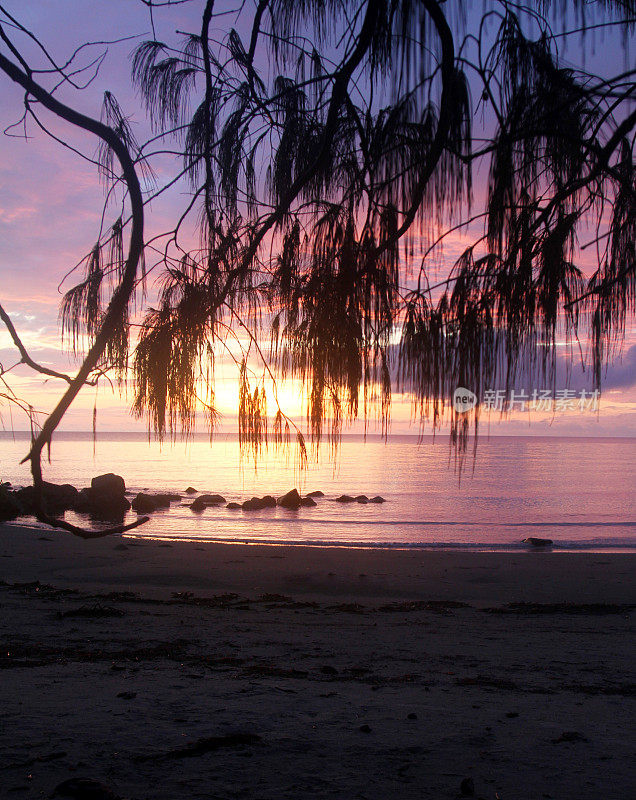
328,149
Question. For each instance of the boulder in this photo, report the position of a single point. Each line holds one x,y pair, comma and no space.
83,501
269,501
199,505
147,503
9,505
104,499
212,499
254,504
534,541
234,506
308,501
109,484
107,507
190,490
361,498
316,493
377,499
57,498
345,498
290,500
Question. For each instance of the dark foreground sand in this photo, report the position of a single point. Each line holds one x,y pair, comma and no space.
281,672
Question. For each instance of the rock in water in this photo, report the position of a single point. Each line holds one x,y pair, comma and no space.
316,493
234,506
109,484
345,498
536,542
308,501
377,499
105,498
85,789
467,788
199,505
147,503
190,490
212,499
254,504
290,500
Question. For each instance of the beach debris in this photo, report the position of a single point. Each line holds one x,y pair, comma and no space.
569,736
275,598
467,788
562,608
206,745
438,606
191,490
535,541
96,611
290,500
316,493
487,682
348,608
85,789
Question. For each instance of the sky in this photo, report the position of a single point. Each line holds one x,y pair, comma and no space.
50,211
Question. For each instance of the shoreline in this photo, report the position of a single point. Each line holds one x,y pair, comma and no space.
159,565
518,547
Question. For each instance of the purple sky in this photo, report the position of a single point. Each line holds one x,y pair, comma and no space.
50,210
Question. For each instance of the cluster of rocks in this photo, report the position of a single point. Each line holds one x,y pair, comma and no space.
106,499
361,498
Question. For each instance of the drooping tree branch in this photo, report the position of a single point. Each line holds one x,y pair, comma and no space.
120,299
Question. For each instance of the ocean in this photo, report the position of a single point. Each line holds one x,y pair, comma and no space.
577,491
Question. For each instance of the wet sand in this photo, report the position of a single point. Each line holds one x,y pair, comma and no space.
207,671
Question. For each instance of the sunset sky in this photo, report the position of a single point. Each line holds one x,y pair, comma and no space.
50,212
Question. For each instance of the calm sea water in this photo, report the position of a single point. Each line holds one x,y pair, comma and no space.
578,492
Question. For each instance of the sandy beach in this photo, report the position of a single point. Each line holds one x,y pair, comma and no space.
178,670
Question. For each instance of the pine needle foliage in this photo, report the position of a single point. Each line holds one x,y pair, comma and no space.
329,148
